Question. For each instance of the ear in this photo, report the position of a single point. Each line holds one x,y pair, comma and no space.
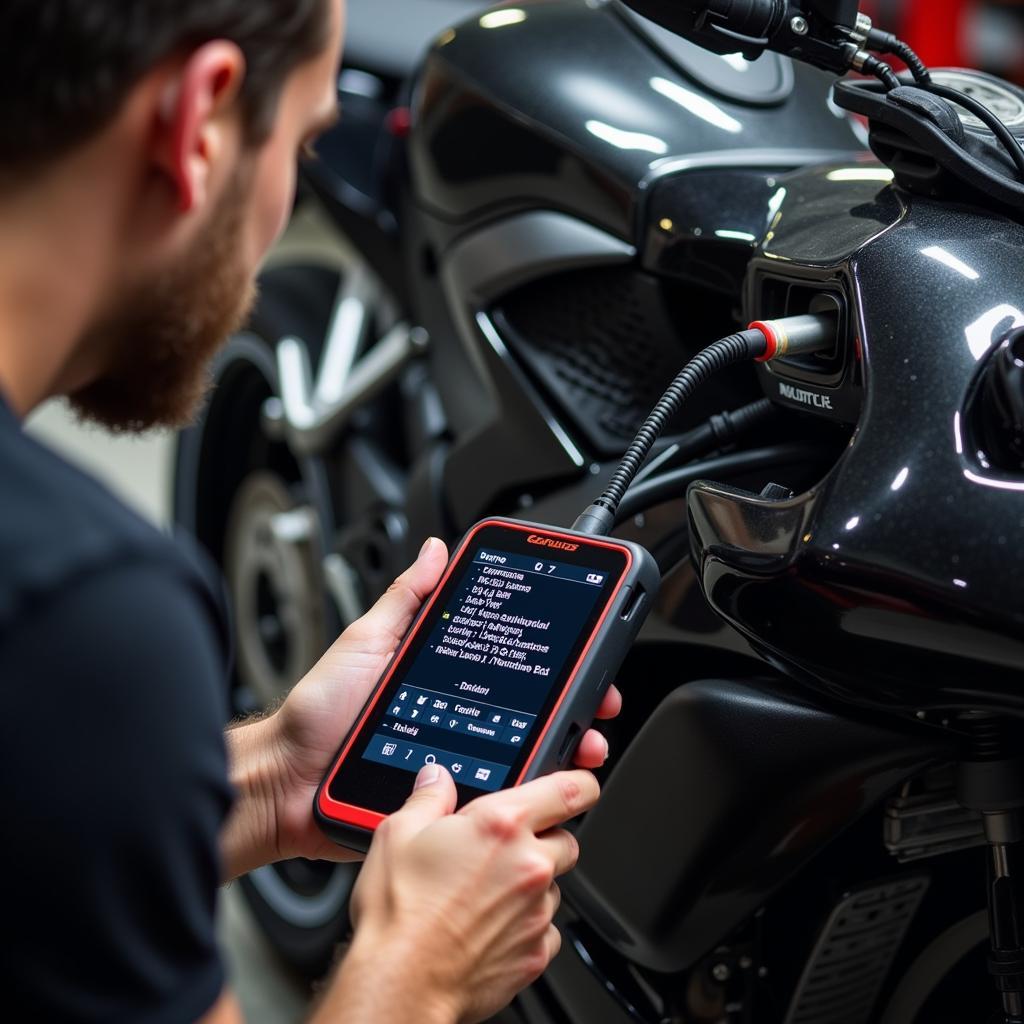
195,122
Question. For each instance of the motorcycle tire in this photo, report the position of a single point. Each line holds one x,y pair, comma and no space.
228,476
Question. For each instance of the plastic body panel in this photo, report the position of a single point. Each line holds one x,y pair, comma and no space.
726,792
489,140
516,178
581,696
896,582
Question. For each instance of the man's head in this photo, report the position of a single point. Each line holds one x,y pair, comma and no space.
167,131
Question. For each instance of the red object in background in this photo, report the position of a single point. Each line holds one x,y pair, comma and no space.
399,122
946,33
936,29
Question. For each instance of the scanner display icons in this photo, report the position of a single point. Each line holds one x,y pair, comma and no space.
487,775
496,647
411,735
456,715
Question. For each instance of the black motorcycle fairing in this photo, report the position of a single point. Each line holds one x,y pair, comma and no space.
606,116
895,582
761,83
703,226
519,181
681,849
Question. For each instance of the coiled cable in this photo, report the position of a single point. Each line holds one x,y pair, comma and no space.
737,348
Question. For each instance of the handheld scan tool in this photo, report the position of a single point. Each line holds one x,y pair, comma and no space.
500,674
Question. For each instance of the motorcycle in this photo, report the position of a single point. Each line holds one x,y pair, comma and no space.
502,256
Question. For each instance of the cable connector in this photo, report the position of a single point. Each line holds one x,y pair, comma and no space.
763,340
596,520
868,64
886,42
797,335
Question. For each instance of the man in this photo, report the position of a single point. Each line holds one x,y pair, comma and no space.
147,162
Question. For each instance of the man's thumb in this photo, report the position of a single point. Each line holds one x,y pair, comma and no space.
432,797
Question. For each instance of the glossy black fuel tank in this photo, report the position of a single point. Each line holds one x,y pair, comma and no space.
574,105
899,580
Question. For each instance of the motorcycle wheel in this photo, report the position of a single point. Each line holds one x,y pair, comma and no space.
952,965
264,516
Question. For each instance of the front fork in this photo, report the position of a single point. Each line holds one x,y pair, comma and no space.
991,780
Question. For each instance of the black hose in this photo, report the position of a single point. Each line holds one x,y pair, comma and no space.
667,486
918,68
881,71
747,417
718,432
886,42
737,348
983,114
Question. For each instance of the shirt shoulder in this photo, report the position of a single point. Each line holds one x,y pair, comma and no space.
58,524
112,728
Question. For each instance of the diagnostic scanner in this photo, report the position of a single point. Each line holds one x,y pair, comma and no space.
500,674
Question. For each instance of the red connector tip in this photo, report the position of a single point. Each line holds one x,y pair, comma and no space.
797,335
770,338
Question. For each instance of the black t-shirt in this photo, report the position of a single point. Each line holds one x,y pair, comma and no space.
112,761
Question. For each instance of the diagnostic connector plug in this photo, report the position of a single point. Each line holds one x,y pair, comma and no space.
798,335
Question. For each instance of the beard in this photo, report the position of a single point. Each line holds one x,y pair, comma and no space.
164,333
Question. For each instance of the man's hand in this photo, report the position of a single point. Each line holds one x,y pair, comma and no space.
453,912
278,762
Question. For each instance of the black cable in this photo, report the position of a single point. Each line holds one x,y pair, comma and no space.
764,340
881,71
666,486
918,68
886,42
747,417
718,432
737,348
983,114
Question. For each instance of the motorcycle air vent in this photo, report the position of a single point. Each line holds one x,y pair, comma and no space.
854,952
603,343
995,409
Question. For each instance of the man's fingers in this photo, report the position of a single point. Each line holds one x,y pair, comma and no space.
611,705
592,751
386,622
539,805
432,797
554,899
563,849
553,941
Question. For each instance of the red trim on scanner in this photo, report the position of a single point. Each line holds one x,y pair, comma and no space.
363,817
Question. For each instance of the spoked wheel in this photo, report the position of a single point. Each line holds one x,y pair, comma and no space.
270,564
267,518
273,580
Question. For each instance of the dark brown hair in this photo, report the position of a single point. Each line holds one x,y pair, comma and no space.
66,66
